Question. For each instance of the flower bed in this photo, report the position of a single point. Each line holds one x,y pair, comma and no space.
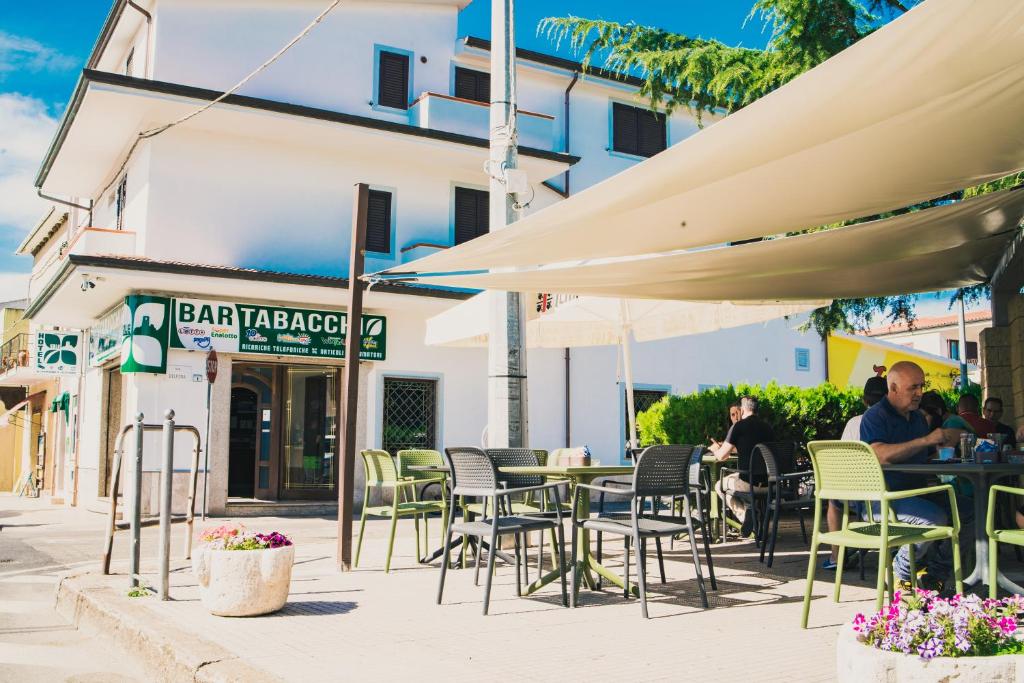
924,637
242,573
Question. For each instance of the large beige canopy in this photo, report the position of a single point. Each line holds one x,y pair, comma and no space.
603,321
928,104
943,247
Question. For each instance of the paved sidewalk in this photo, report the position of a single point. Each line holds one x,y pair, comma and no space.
367,623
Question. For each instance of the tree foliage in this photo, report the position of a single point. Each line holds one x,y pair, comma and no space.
707,76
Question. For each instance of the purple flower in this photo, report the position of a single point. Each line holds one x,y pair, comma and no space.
1008,625
929,648
962,642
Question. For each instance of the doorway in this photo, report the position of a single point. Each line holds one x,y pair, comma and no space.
243,441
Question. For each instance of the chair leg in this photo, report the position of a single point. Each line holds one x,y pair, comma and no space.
705,526
476,561
803,526
641,575
362,527
491,554
812,565
958,577
863,563
890,579
696,563
776,513
575,570
661,560
600,548
883,553
416,524
519,559
391,541
993,568
561,563
913,565
447,555
625,566
839,573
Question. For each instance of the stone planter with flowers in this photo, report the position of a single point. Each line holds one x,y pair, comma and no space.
922,637
243,574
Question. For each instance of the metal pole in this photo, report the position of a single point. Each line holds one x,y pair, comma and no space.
506,359
166,482
193,476
627,370
206,454
136,519
350,375
964,382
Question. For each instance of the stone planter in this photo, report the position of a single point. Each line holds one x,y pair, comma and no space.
857,663
243,583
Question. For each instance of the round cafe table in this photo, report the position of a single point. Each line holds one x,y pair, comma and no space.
982,476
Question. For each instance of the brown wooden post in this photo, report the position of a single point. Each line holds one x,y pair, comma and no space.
350,376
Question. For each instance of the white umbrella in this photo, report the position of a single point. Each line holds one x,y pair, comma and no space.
602,321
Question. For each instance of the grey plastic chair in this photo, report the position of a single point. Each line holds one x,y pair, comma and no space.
473,474
660,472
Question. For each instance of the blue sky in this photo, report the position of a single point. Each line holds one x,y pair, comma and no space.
43,48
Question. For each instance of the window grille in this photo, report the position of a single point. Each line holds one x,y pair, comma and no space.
410,414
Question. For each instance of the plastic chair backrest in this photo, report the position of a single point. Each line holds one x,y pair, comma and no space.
846,470
380,468
542,456
472,472
515,457
694,478
418,458
662,471
772,459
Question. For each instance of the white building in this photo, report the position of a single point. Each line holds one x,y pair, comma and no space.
938,335
212,228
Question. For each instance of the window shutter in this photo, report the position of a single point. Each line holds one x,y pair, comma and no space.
378,222
472,85
393,80
624,134
472,217
650,133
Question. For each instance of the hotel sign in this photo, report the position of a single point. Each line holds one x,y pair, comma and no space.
227,327
57,353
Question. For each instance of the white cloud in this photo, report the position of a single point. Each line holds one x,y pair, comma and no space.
24,54
13,286
26,129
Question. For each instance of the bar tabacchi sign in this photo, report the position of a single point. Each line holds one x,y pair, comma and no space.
156,324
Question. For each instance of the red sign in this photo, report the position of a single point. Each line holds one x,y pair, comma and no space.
211,366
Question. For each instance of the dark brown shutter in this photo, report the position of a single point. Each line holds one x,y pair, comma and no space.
393,80
637,131
650,132
472,85
378,222
472,217
624,134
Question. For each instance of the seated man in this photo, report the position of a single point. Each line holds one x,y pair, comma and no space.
743,436
967,407
899,433
993,410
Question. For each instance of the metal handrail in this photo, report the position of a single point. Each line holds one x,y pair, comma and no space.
169,429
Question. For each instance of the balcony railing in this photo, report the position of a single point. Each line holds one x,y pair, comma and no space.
15,352
457,115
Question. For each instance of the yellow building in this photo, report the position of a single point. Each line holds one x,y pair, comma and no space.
12,344
854,358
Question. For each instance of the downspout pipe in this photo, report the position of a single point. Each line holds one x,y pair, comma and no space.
566,191
39,191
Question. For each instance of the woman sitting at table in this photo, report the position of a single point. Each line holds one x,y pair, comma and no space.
937,413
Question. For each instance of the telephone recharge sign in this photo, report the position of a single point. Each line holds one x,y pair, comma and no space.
156,324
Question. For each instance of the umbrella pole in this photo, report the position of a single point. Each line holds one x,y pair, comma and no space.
627,371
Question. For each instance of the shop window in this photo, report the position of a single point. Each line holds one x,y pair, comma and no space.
378,222
953,347
310,430
803,360
472,85
393,80
637,131
472,214
410,414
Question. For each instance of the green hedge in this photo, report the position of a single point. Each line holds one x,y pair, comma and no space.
798,414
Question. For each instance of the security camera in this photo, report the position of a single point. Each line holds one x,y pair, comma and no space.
87,284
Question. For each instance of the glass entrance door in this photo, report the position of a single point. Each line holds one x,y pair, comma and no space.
310,432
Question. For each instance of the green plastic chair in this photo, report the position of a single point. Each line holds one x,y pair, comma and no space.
849,470
997,536
380,475
407,459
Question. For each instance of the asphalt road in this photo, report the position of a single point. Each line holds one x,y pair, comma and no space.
38,543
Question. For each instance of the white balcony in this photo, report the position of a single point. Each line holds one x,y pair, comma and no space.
468,117
102,242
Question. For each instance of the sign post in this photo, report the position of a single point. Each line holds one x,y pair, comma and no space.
350,376
211,377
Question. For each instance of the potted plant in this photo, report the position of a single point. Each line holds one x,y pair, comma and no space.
243,574
924,637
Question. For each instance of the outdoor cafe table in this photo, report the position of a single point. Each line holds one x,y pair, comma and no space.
982,476
577,474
